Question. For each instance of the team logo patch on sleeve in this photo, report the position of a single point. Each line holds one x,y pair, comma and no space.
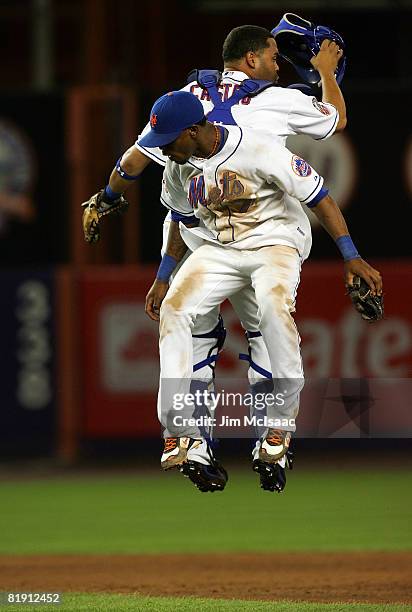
320,106
300,166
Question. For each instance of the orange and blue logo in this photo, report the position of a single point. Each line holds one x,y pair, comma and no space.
300,166
320,107
153,120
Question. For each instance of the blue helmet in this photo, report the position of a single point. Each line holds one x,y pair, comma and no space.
298,40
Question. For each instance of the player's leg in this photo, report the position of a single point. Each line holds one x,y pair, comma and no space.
208,336
208,331
245,305
275,277
272,477
202,466
202,283
259,373
206,278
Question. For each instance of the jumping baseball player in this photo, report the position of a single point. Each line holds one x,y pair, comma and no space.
248,192
249,54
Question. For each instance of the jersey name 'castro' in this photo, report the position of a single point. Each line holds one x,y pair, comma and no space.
277,110
248,195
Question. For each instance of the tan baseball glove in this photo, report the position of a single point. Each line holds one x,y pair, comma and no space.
370,307
95,209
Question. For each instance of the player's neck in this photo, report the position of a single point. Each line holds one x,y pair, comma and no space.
209,141
238,68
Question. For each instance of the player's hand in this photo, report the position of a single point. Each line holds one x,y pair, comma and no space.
359,267
154,299
326,61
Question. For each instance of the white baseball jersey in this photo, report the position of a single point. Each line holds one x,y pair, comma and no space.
248,195
278,110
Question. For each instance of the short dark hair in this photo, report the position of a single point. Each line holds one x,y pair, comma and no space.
243,39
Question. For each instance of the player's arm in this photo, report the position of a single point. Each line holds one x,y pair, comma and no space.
110,200
331,218
175,251
325,63
127,169
297,178
131,164
174,198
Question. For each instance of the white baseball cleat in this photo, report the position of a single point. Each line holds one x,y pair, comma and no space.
274,446
175,451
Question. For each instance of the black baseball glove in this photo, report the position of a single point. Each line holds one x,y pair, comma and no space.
369,306
95,209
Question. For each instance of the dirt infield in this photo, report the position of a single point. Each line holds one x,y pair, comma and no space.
323,577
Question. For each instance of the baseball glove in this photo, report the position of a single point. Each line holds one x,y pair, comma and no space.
369,306
95,209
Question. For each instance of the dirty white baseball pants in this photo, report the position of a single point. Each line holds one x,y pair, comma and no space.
205,348
209,276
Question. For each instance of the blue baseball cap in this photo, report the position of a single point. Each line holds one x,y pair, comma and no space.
170,115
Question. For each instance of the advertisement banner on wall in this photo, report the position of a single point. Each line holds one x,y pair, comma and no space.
120,353
27,363
352,368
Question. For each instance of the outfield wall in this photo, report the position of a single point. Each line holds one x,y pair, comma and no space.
82,358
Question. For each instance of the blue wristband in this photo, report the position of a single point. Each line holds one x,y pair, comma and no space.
123,174
347,248
110,194
192,220
167,265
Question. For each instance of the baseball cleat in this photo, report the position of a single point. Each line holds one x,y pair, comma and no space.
175,451
273,475
205,477
274,446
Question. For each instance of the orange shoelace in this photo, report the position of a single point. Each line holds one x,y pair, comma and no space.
275,437
170,444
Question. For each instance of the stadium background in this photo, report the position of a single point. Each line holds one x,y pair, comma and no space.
78,368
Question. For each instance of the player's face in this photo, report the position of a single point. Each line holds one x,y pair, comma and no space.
266,66
181,149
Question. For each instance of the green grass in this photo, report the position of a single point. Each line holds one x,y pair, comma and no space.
101,603
320,511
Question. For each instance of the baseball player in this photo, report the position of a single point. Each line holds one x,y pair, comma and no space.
249,53
248,192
